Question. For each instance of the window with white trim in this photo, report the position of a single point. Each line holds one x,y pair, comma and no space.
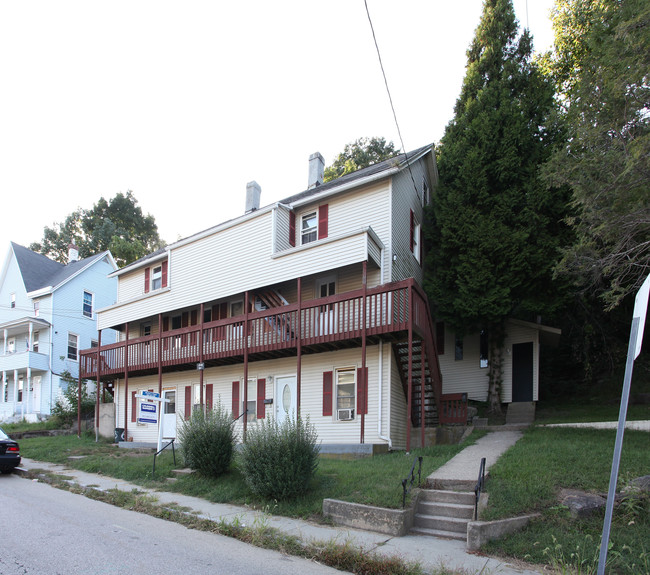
88,304
309,228
417,228
35,338
37,308
251,400
345,385
156,278
13,300
73,346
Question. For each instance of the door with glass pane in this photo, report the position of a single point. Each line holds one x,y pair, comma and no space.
169,413
285,397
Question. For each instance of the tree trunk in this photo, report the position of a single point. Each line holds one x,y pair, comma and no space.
495,375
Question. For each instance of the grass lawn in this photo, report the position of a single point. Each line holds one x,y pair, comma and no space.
374,480
529,478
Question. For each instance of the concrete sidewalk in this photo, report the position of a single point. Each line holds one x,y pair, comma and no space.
430,552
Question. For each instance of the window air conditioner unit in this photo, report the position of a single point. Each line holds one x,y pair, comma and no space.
345,414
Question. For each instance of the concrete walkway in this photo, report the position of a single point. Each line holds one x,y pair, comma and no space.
461,472
430,552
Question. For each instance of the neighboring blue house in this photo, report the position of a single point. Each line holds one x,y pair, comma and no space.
47,315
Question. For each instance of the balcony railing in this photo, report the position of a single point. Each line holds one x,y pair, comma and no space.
327,320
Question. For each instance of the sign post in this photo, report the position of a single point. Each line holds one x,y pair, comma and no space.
148,412
634,348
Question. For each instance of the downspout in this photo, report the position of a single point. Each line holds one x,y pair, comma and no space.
381,379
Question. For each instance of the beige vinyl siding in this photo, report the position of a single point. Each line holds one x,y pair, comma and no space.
282,215
329,430
130,285
466,375
404,199
519,334
398,407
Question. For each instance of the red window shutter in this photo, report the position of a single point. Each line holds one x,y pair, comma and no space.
362,391
194,317
223,310
185,319
235,399
292,228
134,407
327,392
261,396
188,401
412,229
147,273
322,221
165,324
164,274
215,312
208,396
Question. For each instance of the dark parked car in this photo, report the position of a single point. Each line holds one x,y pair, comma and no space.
9,453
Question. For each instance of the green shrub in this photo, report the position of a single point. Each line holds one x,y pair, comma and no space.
208,441
65,409
279,460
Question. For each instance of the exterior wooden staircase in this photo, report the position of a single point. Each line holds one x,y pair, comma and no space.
443,514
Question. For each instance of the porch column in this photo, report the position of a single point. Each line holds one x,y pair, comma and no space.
5,385
200,342
15,390
299,348
364,380
79,398
409,403
160,354
245,407
126,381
28,383
99,381
5,334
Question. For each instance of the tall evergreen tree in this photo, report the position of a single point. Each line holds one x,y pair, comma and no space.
494,228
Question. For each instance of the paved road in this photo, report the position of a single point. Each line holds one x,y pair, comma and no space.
48,531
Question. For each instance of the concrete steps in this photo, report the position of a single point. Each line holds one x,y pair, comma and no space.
442,513
520,413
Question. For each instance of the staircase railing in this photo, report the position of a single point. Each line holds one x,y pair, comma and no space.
406,486
479,487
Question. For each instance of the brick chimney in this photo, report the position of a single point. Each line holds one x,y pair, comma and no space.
316,170
73,253
253,193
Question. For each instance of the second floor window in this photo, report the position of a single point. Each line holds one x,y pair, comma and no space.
73,346
37,308
13,300
88,304
309,228
35,338
156,278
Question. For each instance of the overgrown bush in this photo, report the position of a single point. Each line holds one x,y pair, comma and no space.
208,441
65,408
279,460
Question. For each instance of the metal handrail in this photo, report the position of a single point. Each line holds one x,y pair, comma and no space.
411,476
163,449
479,487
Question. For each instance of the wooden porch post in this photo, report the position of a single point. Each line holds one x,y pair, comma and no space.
200,342
299,347
160,354
422,394
99,382
126,381
364,379
78,398
245,365
410,369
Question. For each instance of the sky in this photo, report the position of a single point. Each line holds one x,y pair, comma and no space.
184,103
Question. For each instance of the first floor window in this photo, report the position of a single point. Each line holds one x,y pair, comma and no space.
251,400
20,390
345,393
73,346
35,337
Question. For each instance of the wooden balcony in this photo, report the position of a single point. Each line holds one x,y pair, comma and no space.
323,324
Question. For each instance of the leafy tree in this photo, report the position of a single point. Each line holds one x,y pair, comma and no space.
66,406
494,227
360,154
601,65
117,225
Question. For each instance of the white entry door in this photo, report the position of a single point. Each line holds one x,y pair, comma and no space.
169,413
286,398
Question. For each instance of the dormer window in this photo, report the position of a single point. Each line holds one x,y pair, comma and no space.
155,277
309,228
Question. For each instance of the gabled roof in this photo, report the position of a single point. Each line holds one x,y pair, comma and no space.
375,171
40,272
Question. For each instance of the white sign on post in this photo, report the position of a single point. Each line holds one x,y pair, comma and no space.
149,411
